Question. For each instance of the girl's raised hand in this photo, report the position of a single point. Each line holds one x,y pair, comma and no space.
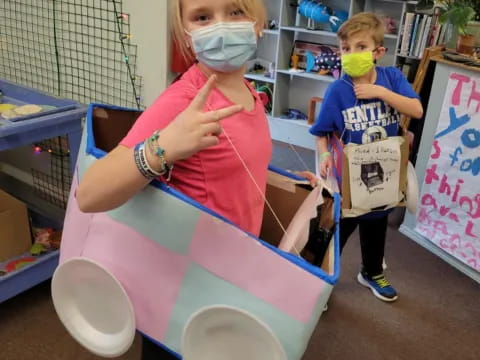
194,129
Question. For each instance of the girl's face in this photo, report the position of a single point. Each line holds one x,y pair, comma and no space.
199,13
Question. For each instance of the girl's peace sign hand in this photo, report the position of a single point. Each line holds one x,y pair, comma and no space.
194,129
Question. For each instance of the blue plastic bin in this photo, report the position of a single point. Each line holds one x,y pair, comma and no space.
66,119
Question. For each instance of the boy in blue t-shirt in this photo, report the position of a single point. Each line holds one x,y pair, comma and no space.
367,97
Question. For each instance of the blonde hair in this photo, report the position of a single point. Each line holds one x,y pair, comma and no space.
254,9
364,21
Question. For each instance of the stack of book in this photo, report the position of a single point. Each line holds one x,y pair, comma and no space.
420,31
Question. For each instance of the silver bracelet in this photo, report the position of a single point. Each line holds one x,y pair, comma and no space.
142,164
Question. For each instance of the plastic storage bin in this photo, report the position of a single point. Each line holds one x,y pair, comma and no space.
65,119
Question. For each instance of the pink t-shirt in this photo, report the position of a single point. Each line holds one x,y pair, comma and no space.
215,176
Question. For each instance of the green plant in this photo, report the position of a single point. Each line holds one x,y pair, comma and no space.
475,5
458,13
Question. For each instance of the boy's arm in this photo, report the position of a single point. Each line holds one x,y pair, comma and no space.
322,144
329,119
407,106
325,158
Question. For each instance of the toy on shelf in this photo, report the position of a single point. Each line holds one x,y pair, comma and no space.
17,264
45,240
261,67
327,62
317,12
271,25
295,58
318,58
258,69
294,114
390,24
265,93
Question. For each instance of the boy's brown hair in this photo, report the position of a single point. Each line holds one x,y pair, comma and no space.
364,21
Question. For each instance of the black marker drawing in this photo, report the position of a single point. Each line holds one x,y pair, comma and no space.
372,174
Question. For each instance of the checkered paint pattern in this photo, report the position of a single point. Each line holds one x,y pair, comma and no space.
172,258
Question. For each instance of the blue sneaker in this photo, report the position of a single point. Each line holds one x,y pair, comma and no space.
380,286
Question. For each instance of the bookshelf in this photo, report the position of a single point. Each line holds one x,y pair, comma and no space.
294,90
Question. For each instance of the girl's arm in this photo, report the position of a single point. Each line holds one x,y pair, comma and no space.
109,182
114,179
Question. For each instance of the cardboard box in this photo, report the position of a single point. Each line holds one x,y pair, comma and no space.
15,236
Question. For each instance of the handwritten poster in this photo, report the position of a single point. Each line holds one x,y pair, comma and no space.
374,173
449,211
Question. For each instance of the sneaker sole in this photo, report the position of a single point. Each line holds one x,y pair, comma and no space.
362,281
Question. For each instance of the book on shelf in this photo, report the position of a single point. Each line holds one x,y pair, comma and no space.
420,31
415,32
436,27
423,41
406,33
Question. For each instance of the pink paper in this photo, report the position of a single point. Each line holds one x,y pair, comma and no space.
75,227
241,260
298,229
151,274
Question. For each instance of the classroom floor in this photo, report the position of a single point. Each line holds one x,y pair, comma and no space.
436,317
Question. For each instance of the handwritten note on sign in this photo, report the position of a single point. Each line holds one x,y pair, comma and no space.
374,173
449,211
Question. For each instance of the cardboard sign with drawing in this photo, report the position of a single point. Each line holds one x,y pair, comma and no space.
375,176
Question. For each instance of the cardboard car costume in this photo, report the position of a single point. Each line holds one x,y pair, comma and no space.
174,256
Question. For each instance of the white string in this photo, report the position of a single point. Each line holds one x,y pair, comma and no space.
258,188
298,156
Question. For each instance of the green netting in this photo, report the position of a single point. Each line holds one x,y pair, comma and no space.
77,49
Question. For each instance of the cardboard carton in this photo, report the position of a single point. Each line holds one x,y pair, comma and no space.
15,238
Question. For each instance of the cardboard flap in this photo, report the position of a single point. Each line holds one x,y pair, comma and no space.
285,195
15,238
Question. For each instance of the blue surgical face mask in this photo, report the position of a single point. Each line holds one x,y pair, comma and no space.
225,47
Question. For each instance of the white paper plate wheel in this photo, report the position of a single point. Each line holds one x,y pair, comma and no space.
94,307
412,189
227,333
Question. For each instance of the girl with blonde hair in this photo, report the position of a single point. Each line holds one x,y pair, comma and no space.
207,134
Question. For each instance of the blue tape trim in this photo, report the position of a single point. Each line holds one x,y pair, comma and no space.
160,345
337,201
286,173
331,279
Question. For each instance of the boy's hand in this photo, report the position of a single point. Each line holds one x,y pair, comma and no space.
326,165
369,91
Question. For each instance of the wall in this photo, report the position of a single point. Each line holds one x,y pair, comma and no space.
149,28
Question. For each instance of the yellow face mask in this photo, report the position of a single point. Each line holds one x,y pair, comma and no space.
357,64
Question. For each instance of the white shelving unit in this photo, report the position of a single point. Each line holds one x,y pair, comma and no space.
294,90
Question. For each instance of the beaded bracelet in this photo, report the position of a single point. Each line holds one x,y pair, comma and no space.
142,163
152,143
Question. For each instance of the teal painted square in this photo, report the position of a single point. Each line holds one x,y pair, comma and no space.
161,217
201,288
